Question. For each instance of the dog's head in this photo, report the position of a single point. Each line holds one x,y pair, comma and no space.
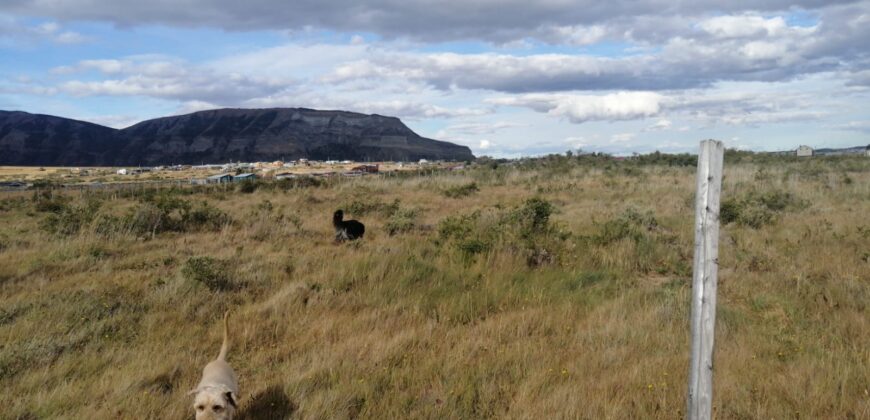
214,403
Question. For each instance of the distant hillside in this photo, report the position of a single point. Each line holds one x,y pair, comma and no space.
32,139
217,136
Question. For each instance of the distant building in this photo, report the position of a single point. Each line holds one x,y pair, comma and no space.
286,175
804,151
122,171
244,177
369,169
220,178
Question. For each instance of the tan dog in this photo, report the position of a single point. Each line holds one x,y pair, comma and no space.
218,390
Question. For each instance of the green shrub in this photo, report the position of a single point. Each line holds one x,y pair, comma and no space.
403,220
205,217
631,224
363,206
757,209
211,272
71,219
171,214
525,230
460,191
533,217
300,182
47,201
147,219
247,187
458,226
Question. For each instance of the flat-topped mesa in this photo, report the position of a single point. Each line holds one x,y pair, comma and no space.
244,135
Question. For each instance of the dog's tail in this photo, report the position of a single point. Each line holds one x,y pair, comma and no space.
225,347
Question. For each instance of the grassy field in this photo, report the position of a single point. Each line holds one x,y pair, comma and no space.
556,288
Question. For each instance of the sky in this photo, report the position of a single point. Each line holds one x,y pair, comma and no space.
507,78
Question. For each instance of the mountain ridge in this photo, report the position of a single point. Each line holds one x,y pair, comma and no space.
217,135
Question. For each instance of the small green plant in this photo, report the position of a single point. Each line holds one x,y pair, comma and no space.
211,272
71,219
247,187
757,209
533,217
632,224
363,206
403,220
463,190
47,201
173,215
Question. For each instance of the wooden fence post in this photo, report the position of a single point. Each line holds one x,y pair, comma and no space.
706,267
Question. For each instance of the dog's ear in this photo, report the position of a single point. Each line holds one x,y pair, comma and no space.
231,399
193,391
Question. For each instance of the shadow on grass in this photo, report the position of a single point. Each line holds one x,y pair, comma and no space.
271,404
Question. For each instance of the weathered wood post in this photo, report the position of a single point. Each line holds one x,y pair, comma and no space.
706,267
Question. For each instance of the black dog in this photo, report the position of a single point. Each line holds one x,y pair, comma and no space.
346,229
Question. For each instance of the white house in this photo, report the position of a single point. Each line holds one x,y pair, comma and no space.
804,151
122,171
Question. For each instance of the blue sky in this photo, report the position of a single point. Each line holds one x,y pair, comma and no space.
507,78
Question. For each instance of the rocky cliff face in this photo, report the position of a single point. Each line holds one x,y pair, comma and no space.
217,136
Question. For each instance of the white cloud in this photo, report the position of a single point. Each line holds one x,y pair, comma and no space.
477,128
17,31
163,77
859,126
662,124
582,108
622,137
743,26
498,22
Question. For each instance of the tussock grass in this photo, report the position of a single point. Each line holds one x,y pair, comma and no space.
556,288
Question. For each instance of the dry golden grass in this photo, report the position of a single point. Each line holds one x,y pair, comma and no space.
107,325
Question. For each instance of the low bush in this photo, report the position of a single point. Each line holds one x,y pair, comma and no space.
47,201
300,182
247,187
71,219
757,209
212,273
363,206
402,220
525,229
631,224
634,241
153,217
460,191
